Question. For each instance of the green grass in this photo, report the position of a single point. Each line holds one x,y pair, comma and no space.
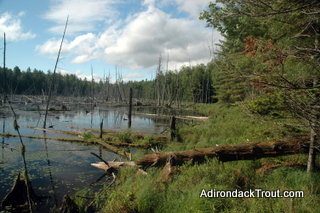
227,125
126,137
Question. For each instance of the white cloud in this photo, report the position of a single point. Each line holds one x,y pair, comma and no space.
49,47
64,72
132,75
153,32
11,25
137,42
96,77
83,46
148,2
80,74
192,7
82,14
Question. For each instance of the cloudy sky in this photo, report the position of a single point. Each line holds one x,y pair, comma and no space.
104,34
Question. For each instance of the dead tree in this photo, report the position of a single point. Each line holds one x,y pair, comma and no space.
130,107
54,74
173,130
245,151
158,82
4,69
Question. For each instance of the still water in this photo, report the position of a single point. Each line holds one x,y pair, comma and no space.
57,168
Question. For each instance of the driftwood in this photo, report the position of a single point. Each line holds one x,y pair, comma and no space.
245,151
113,164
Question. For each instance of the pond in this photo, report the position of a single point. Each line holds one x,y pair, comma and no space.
57,168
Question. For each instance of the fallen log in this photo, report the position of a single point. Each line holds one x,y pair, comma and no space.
107,140
6,134
110,139
55,130
160,138
245,151
187,117
113,164
79,140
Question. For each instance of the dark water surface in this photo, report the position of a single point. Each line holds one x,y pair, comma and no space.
56,168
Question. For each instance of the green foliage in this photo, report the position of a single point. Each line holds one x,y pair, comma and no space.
268,60
227,125
126,137
192,84
231,125
83,198
149,139
266,105
88,136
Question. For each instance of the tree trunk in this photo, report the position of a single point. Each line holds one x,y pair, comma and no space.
315,114
130,107
173,128
312,153
245,151
4,69
54,74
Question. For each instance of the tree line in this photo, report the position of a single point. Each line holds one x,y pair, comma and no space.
189,84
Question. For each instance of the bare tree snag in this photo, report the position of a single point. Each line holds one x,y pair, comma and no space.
130,107
173,133
101,127
158,77
4,69
54,75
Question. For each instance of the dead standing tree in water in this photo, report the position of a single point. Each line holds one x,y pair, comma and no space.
158,82
130,107
92,96
4,69
54,75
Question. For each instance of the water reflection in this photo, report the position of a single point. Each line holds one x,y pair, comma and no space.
55,200
57,168
3,131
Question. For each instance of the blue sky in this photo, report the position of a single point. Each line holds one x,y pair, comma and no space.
104,34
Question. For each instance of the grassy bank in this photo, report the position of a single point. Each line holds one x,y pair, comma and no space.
227,125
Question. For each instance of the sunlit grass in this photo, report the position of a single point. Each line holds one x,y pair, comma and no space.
227,125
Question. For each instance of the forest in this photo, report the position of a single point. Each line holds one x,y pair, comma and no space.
189,84
261,93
